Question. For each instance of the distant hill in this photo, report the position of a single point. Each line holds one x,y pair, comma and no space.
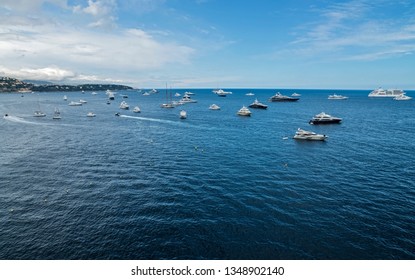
37,83
8,84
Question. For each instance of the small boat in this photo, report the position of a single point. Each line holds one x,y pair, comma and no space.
108,102
117,114
65,97
244,111
183,114
110,94
221,92
337,97
278,97
402,97
296,94
73,103
177,94
124,105
124,96
189,93
324,118
309,135
83,101
39,114
249,94
90,114
94,93
57,114
258,105
214,107
136,109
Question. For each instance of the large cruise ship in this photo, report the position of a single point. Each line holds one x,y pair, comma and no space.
380,92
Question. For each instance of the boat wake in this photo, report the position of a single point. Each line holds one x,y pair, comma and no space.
21,120
152,120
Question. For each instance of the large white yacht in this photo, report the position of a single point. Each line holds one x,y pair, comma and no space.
244,111
221,92
380,92
302,134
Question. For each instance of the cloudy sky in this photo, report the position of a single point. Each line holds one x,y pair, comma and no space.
211,43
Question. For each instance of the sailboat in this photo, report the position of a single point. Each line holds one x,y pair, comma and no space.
39,113
57,114
168,104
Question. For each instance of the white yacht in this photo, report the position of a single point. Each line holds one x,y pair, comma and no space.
337,97
137,109
177,94
167,105
90,114
244,111
39,114
249,94
380,92
83,101
214,107
73,103
221,92
309,135
296,94
187,99
65,97
402,97
258,105
324,118
183,114
56,114
124,105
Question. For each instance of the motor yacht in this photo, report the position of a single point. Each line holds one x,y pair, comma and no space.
244,111
380,92
278,97
402,97
324,118
39,114
309,135
124,105
258,105
337,97
221,92
74,103
214,107
187,99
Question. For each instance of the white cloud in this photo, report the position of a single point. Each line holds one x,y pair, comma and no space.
351,31
29,46
51,73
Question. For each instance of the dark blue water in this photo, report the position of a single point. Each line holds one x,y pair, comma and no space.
213,186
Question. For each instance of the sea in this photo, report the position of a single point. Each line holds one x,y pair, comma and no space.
216,185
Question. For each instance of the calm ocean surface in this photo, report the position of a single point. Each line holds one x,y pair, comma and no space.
213,186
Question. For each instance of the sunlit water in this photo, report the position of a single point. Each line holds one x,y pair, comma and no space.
213,186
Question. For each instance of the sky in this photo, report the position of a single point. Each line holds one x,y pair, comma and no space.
357,44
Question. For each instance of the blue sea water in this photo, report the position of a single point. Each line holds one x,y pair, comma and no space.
213,186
